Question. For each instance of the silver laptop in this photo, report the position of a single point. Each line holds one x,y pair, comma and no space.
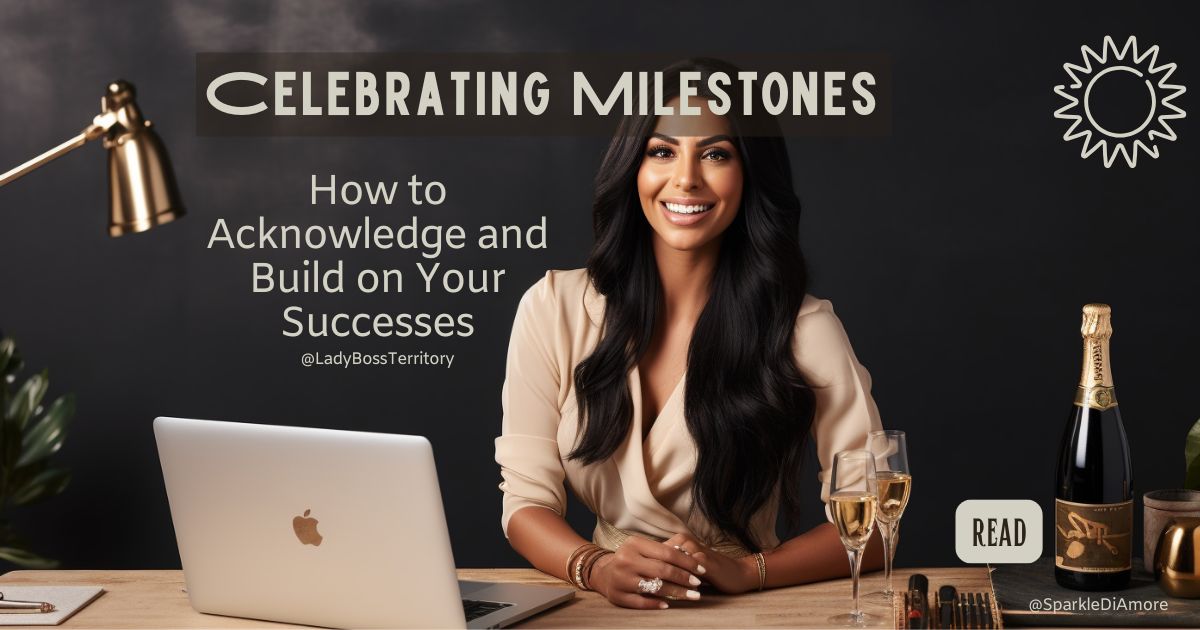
321,527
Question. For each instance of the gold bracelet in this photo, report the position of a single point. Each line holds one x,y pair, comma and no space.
571,561
762,570
586,574
578,574
576,562
583,565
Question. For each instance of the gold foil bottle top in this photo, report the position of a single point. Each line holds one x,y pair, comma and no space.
1095,381
1097,321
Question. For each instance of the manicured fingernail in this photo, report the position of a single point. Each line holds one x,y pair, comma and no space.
663,605
693,594
700,569
693,580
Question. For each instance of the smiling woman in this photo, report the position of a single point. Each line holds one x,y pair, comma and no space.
673,382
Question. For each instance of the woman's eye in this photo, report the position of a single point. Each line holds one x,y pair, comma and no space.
717,155
659,152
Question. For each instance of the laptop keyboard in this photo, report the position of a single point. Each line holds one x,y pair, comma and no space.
476,609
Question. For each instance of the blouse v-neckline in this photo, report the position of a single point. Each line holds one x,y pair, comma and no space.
652,438
636,458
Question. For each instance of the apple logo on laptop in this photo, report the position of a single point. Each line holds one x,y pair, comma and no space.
306,529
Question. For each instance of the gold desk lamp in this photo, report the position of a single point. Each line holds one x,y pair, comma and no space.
141,184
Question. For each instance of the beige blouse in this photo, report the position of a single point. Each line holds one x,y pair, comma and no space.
645,487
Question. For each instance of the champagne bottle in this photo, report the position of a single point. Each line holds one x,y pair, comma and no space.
1093,511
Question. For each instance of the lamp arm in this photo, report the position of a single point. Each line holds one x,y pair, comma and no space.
99,126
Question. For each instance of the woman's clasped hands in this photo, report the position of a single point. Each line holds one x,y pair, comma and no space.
644,573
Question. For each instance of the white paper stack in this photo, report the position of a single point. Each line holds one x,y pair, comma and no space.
67,601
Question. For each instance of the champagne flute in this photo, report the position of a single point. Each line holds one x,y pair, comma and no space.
853,496
895,483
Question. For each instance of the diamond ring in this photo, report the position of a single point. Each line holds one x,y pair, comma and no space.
680,548
650,587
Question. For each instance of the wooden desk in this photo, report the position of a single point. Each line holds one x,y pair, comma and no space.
155,599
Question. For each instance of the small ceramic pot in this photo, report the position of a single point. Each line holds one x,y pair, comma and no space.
1177,558
1159,507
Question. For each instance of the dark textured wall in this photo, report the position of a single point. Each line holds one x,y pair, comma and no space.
957,251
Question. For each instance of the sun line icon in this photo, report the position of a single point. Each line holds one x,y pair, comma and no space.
1143,64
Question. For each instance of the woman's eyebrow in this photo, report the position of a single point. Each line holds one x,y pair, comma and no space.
703,143
714,139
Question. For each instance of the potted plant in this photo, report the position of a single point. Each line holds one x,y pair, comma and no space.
30,434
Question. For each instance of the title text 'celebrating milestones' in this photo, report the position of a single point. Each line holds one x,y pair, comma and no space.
497,93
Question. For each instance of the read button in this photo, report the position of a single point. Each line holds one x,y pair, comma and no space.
998,532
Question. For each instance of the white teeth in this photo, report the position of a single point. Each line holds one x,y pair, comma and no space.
681,209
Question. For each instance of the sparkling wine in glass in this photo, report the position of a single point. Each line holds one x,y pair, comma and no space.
895,484
853,500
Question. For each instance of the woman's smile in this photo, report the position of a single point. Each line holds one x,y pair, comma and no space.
683,212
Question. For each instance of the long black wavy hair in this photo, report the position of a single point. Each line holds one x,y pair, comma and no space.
748,408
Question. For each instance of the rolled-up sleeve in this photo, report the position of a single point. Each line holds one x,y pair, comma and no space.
527,449
845,411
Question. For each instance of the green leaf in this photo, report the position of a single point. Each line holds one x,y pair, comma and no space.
11,362
47,436
27,398
8,348
43,485
18,477
26,559
1191,453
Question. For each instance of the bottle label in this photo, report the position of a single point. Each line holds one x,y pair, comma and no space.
1099,398
1093,537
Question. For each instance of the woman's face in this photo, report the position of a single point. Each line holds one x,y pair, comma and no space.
690,180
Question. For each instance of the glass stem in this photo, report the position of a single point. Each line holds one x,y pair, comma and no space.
887,533
855,565
894,534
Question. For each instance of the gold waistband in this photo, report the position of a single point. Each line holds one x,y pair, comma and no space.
611,537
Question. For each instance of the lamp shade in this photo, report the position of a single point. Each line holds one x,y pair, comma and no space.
142,189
